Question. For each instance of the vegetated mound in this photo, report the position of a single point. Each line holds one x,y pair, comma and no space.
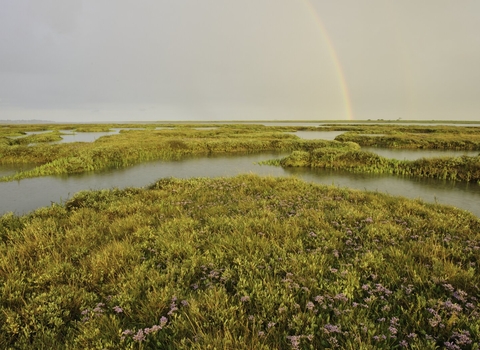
244,262
460,138
462,168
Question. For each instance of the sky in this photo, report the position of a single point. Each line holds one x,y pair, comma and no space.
221,60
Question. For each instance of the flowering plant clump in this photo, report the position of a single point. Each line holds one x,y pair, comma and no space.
181,265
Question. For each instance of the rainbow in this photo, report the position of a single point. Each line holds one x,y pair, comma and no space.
336,61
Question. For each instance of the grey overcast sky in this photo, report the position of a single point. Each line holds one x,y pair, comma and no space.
121,60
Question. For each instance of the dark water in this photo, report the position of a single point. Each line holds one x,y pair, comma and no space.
10,169
28,194
400,154
458,194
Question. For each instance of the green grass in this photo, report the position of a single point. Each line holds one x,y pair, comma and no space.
135,146
180,140
459,138
240,263
353,159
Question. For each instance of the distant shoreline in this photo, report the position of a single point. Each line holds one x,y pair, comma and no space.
369,121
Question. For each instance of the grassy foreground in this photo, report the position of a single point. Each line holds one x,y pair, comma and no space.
240,263
351,158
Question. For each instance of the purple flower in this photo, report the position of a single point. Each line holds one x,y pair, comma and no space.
460,295
98,310
310,305
435,321
163,321
448,287
127,332
392,330
452,306
294,341
340,297
451,346
245,299
117,309
172,310
462,337
140,336
329,328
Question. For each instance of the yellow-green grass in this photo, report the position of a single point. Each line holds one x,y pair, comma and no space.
180,140
239,263
444,138
462,168
134,146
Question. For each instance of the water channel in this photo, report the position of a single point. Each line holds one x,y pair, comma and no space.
23,196
28,194
395,153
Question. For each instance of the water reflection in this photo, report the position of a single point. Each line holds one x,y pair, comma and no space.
458,194
11,169
72,136
29,194
68,136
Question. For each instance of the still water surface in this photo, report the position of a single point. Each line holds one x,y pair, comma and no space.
11,169
400,154
28,194
317,135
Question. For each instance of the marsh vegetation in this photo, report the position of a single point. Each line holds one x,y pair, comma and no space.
245,262
145,143
464,168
